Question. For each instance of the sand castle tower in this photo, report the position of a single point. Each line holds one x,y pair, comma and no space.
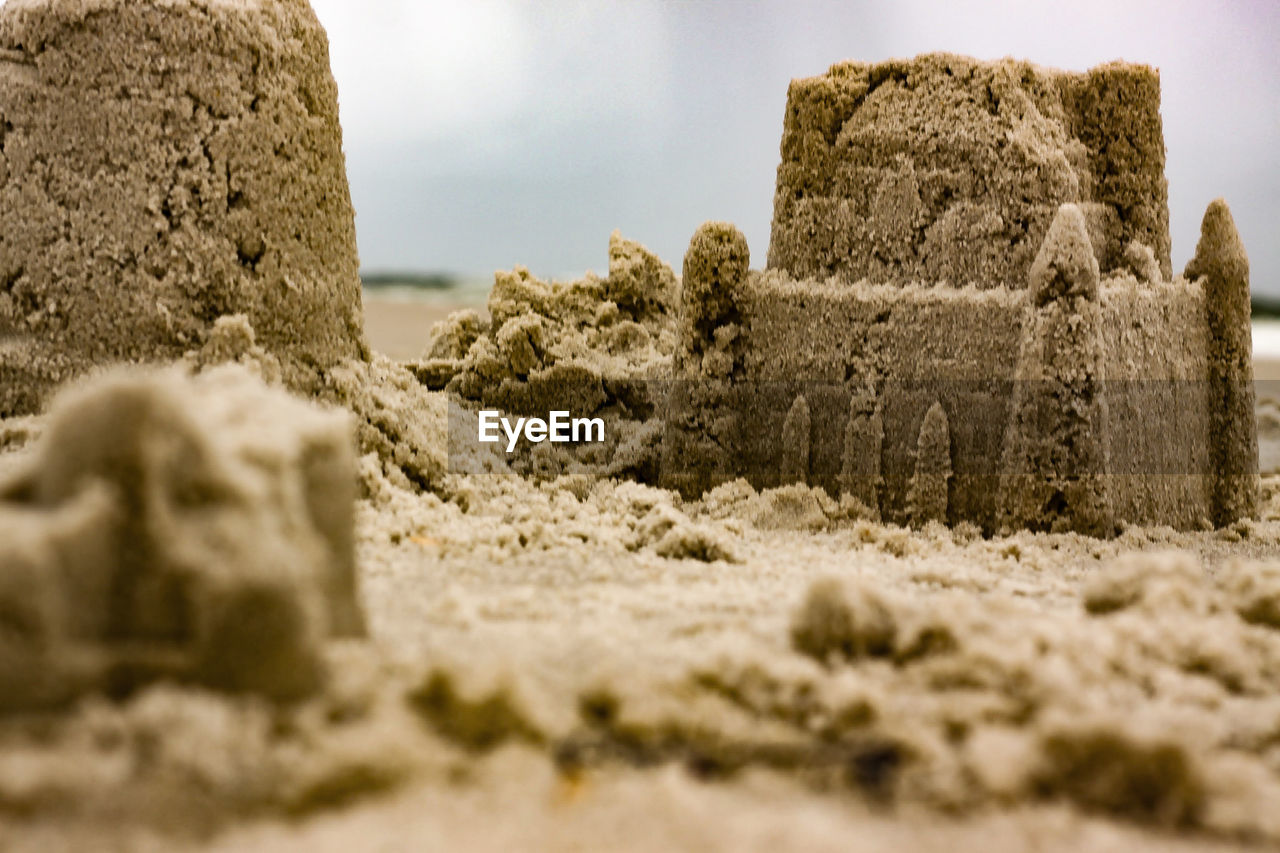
970,308
163,164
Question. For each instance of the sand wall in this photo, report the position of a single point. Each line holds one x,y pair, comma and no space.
1158,397
886,339
896,352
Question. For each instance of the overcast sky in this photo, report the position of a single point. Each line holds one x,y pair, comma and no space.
485,134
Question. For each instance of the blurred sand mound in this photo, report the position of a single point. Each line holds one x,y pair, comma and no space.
200,529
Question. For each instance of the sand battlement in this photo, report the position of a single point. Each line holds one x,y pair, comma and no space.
1073,403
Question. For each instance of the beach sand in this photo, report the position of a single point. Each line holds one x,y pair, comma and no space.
571,664
399,327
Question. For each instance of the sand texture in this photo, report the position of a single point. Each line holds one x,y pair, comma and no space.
828,582
943,168
162,164
595,347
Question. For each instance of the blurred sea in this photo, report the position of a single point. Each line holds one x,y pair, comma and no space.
1266,338
433,290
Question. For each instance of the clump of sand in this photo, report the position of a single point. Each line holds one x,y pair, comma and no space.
594,347
405,434
498,519
1145,700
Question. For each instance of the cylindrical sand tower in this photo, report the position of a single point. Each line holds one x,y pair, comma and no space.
163,164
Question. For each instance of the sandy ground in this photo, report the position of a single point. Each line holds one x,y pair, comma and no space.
550,616
222,629
574,665
399,327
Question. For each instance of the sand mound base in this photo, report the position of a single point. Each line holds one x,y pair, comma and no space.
1059,687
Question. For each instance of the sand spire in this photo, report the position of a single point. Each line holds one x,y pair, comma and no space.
1220,261
1055,460
927,495
795,442
863,444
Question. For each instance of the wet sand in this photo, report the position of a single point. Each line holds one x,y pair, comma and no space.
399,327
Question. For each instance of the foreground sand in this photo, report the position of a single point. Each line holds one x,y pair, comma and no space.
582,665
514,598
554,616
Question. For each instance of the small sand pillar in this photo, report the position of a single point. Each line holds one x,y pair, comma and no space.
1222,264
796,429
163,164
863,444
715,270
929,495
1055,458
702,418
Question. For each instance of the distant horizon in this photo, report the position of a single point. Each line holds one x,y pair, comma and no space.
1264,305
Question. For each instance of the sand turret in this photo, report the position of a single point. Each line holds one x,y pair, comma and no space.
163,164
1056,446
715,271
1221,264
697,442
945,168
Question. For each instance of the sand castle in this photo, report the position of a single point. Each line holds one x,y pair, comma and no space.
162,165
968,313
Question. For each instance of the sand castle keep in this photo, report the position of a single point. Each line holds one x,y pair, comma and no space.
969,313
